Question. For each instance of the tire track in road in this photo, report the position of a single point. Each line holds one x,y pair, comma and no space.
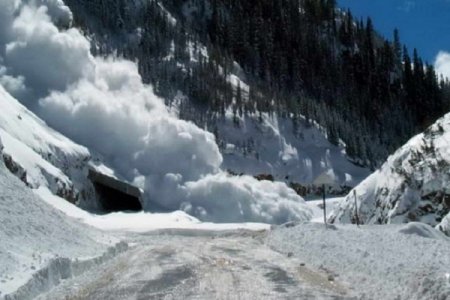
236,265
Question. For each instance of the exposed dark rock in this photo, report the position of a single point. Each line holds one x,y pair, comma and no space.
262,177
15,168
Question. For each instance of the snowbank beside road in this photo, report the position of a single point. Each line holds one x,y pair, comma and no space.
34,235
375,262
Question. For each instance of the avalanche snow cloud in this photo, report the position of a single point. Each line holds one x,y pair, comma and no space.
442,64
103,104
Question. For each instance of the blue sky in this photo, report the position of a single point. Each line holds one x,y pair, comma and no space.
423,24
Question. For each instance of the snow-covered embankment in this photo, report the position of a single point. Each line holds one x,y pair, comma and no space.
413,185
373,262
40,245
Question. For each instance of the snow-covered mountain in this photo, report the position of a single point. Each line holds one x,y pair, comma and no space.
102,104
253,140
70,109
413,185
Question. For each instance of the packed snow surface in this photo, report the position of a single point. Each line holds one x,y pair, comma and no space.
193,265
413,185
374,262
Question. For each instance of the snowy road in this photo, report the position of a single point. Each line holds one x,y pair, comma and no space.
200,265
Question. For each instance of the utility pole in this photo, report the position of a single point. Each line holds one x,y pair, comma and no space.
324,206
326,179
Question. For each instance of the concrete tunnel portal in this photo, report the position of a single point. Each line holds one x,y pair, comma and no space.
115,195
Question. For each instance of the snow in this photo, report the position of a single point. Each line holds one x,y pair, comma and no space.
421,229
236,82
316,207
444,226
147,222
170,18
42,232
34,234
26,127
442,64
224,198
47,157
273,145
413,185
102,104
39,171
373,262
210,265
139,222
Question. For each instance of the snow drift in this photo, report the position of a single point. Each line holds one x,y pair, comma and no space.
407,261
35,235
413,185
103,104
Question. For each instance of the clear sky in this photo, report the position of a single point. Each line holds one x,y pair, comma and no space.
423,24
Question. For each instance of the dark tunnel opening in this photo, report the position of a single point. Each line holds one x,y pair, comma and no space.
113,200
114,195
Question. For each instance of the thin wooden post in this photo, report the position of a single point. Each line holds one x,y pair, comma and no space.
356,208
324,206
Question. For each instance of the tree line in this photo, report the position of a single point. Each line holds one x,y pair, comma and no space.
299,57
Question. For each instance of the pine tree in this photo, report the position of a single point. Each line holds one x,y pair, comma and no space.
397,48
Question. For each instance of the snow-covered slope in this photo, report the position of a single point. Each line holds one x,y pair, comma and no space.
413,185
42,157
103,104
34,235
291,150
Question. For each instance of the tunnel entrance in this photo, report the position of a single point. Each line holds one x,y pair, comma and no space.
114,195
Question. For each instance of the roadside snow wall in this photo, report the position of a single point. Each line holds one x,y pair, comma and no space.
40,245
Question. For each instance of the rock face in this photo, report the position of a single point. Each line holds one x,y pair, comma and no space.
14,168
41,157
413,185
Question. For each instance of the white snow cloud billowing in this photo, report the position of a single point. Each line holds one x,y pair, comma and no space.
103,104
442,64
